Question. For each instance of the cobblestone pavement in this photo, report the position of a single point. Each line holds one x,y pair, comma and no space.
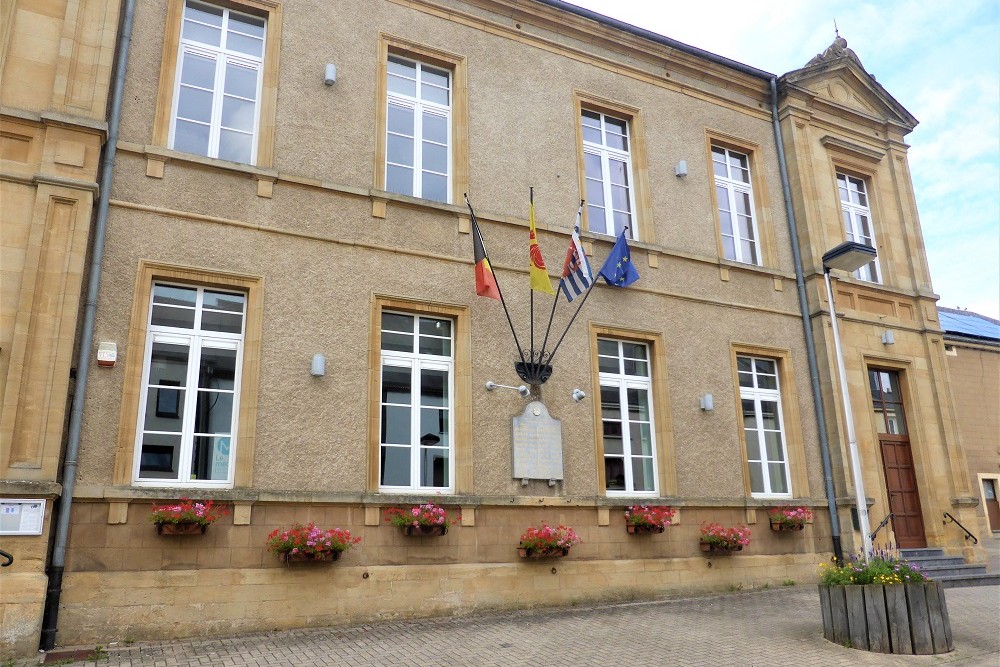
764,627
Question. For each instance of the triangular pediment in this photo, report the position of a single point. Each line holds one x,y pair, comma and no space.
838,77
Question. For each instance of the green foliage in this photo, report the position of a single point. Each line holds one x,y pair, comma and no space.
882,567
788,582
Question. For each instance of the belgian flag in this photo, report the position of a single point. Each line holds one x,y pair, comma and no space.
486,282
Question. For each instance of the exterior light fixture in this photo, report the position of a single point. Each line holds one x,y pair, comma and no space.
849,256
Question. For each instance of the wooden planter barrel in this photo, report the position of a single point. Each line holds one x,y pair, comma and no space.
644,529
426,531
897,618
183,528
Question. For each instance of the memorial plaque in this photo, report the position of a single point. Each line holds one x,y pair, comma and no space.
537,444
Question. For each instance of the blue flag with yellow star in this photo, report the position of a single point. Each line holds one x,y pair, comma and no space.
618,270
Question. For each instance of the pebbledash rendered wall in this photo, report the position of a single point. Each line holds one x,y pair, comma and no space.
323,245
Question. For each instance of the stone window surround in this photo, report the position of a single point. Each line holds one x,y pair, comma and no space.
270,11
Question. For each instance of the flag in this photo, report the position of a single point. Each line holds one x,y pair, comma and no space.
618,270
576,274
486,282
539,275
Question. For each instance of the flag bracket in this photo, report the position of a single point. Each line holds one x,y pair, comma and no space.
533,372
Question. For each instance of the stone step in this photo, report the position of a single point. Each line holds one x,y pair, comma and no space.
970,580
934,561
924,552
938,572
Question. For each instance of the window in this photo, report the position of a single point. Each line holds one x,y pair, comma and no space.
418,129
216,109
608,173
887,401
858,221
186,431
763,426
416,387
734,192
627,417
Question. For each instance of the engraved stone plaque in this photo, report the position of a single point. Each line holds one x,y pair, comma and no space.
537,444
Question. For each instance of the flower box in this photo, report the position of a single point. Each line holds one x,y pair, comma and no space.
320,557
426,531
719,549
634,529
909,618
181,528
554,552
779,527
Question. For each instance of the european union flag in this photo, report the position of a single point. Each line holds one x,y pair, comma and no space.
618,270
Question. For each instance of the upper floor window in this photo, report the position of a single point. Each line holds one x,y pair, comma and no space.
763,426
734,192
418,160
417,404
217,93
857,215
627,417
186,433
607,162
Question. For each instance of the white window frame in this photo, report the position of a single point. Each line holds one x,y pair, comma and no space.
851,213
416,362
222,57
195,340
420,106
606,153
732,186
623,382
758,394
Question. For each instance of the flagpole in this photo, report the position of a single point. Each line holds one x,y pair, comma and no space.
558,292
475,224
571,320
531,290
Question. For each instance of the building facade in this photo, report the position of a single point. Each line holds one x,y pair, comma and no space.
265,210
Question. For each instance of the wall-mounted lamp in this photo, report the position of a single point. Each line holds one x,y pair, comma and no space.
318,369
522,390
707,402
330,76
888,338
578,395
681,169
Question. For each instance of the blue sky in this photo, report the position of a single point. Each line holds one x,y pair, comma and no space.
939,59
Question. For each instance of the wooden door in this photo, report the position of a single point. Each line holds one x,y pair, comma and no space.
901,487
992,504
897,459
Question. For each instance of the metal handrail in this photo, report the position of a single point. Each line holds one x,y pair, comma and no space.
882,525
968,535
8,557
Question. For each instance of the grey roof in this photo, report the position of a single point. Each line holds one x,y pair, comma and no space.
969,325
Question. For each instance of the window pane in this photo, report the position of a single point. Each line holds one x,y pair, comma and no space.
398,84
612,438
168,364
756,478
642,474
250,25
176,296
634,350
744,364
614,473
616,125
402,67
640,440
397,322
224,301
396,385
191,137
225,322
399,180
395,466
619,198
772,446
591,135
607,347
217,369
769,415
435,157
590,119
435,187
638,404
397,342
434,77
164,409
158,456
235,146
743,203
210,457
166,316
395,425
400,120
399,150
746,380
434,467
592,167
895,423
433,427
243,44
595,199
728,247
202,33
616,141
194,104
435,128
753,446
767,381
198,70
433,387
434,327
610,405
237,114
779,481
434,95
622,220
636,368
440,347
722,194
214,412
618,171
749,414
766,366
